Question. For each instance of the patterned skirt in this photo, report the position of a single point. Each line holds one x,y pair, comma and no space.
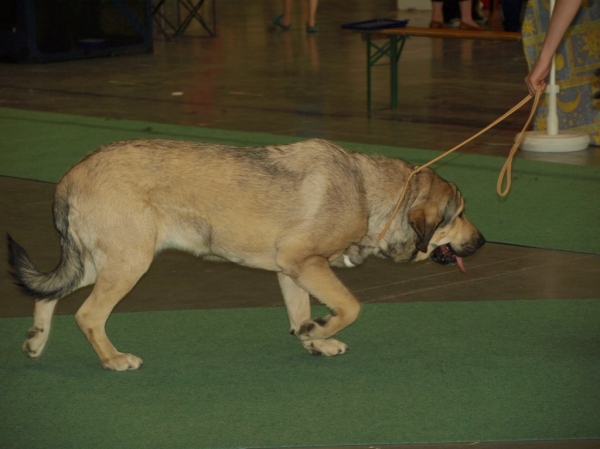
577,67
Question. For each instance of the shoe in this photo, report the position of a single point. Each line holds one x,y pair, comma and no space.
436,24
466,26
277,22
311,30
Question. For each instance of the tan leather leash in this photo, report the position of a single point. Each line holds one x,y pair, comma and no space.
505,173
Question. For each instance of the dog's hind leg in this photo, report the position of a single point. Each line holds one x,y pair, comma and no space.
38,334
113,282
297,301
314,275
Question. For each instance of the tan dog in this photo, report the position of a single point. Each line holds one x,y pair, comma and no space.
293,209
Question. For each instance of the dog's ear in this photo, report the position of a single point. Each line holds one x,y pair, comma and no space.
424,220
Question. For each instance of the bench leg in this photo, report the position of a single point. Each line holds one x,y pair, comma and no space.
392,49
396,46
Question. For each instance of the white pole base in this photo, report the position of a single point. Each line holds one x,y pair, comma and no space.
563,142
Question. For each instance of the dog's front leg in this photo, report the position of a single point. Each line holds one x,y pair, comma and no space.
314,275
297,302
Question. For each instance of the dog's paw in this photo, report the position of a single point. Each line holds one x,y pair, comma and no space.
328,347
123,362
35,343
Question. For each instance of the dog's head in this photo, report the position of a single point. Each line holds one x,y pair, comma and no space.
438,219
431,224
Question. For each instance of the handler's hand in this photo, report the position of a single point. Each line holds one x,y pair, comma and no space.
537,77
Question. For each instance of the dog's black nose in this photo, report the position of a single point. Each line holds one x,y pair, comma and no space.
474,245
480,240
471,247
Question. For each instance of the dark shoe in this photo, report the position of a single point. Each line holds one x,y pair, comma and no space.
277,22
311,30
436,24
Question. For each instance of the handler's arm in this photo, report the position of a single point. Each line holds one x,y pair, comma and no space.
564,12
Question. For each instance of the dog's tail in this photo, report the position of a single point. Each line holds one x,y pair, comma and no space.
65,277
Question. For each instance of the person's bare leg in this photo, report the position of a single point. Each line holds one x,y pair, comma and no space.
437,12
466,13
286,18
311,12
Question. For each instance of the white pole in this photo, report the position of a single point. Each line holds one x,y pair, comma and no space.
552,91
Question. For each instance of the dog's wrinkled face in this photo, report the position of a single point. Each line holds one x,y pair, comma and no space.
443,231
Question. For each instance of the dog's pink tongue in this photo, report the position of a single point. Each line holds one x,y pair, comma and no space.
461,265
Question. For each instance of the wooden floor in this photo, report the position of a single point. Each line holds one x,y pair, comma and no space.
256,78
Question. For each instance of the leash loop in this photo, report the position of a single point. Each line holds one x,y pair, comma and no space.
506,172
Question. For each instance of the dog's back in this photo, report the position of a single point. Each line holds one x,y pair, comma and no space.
224,201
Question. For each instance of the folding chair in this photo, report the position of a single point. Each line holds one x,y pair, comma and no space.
192,12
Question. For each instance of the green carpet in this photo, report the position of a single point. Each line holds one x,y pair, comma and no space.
417,372
553,206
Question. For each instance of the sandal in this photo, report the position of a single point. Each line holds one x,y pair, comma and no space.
277,22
